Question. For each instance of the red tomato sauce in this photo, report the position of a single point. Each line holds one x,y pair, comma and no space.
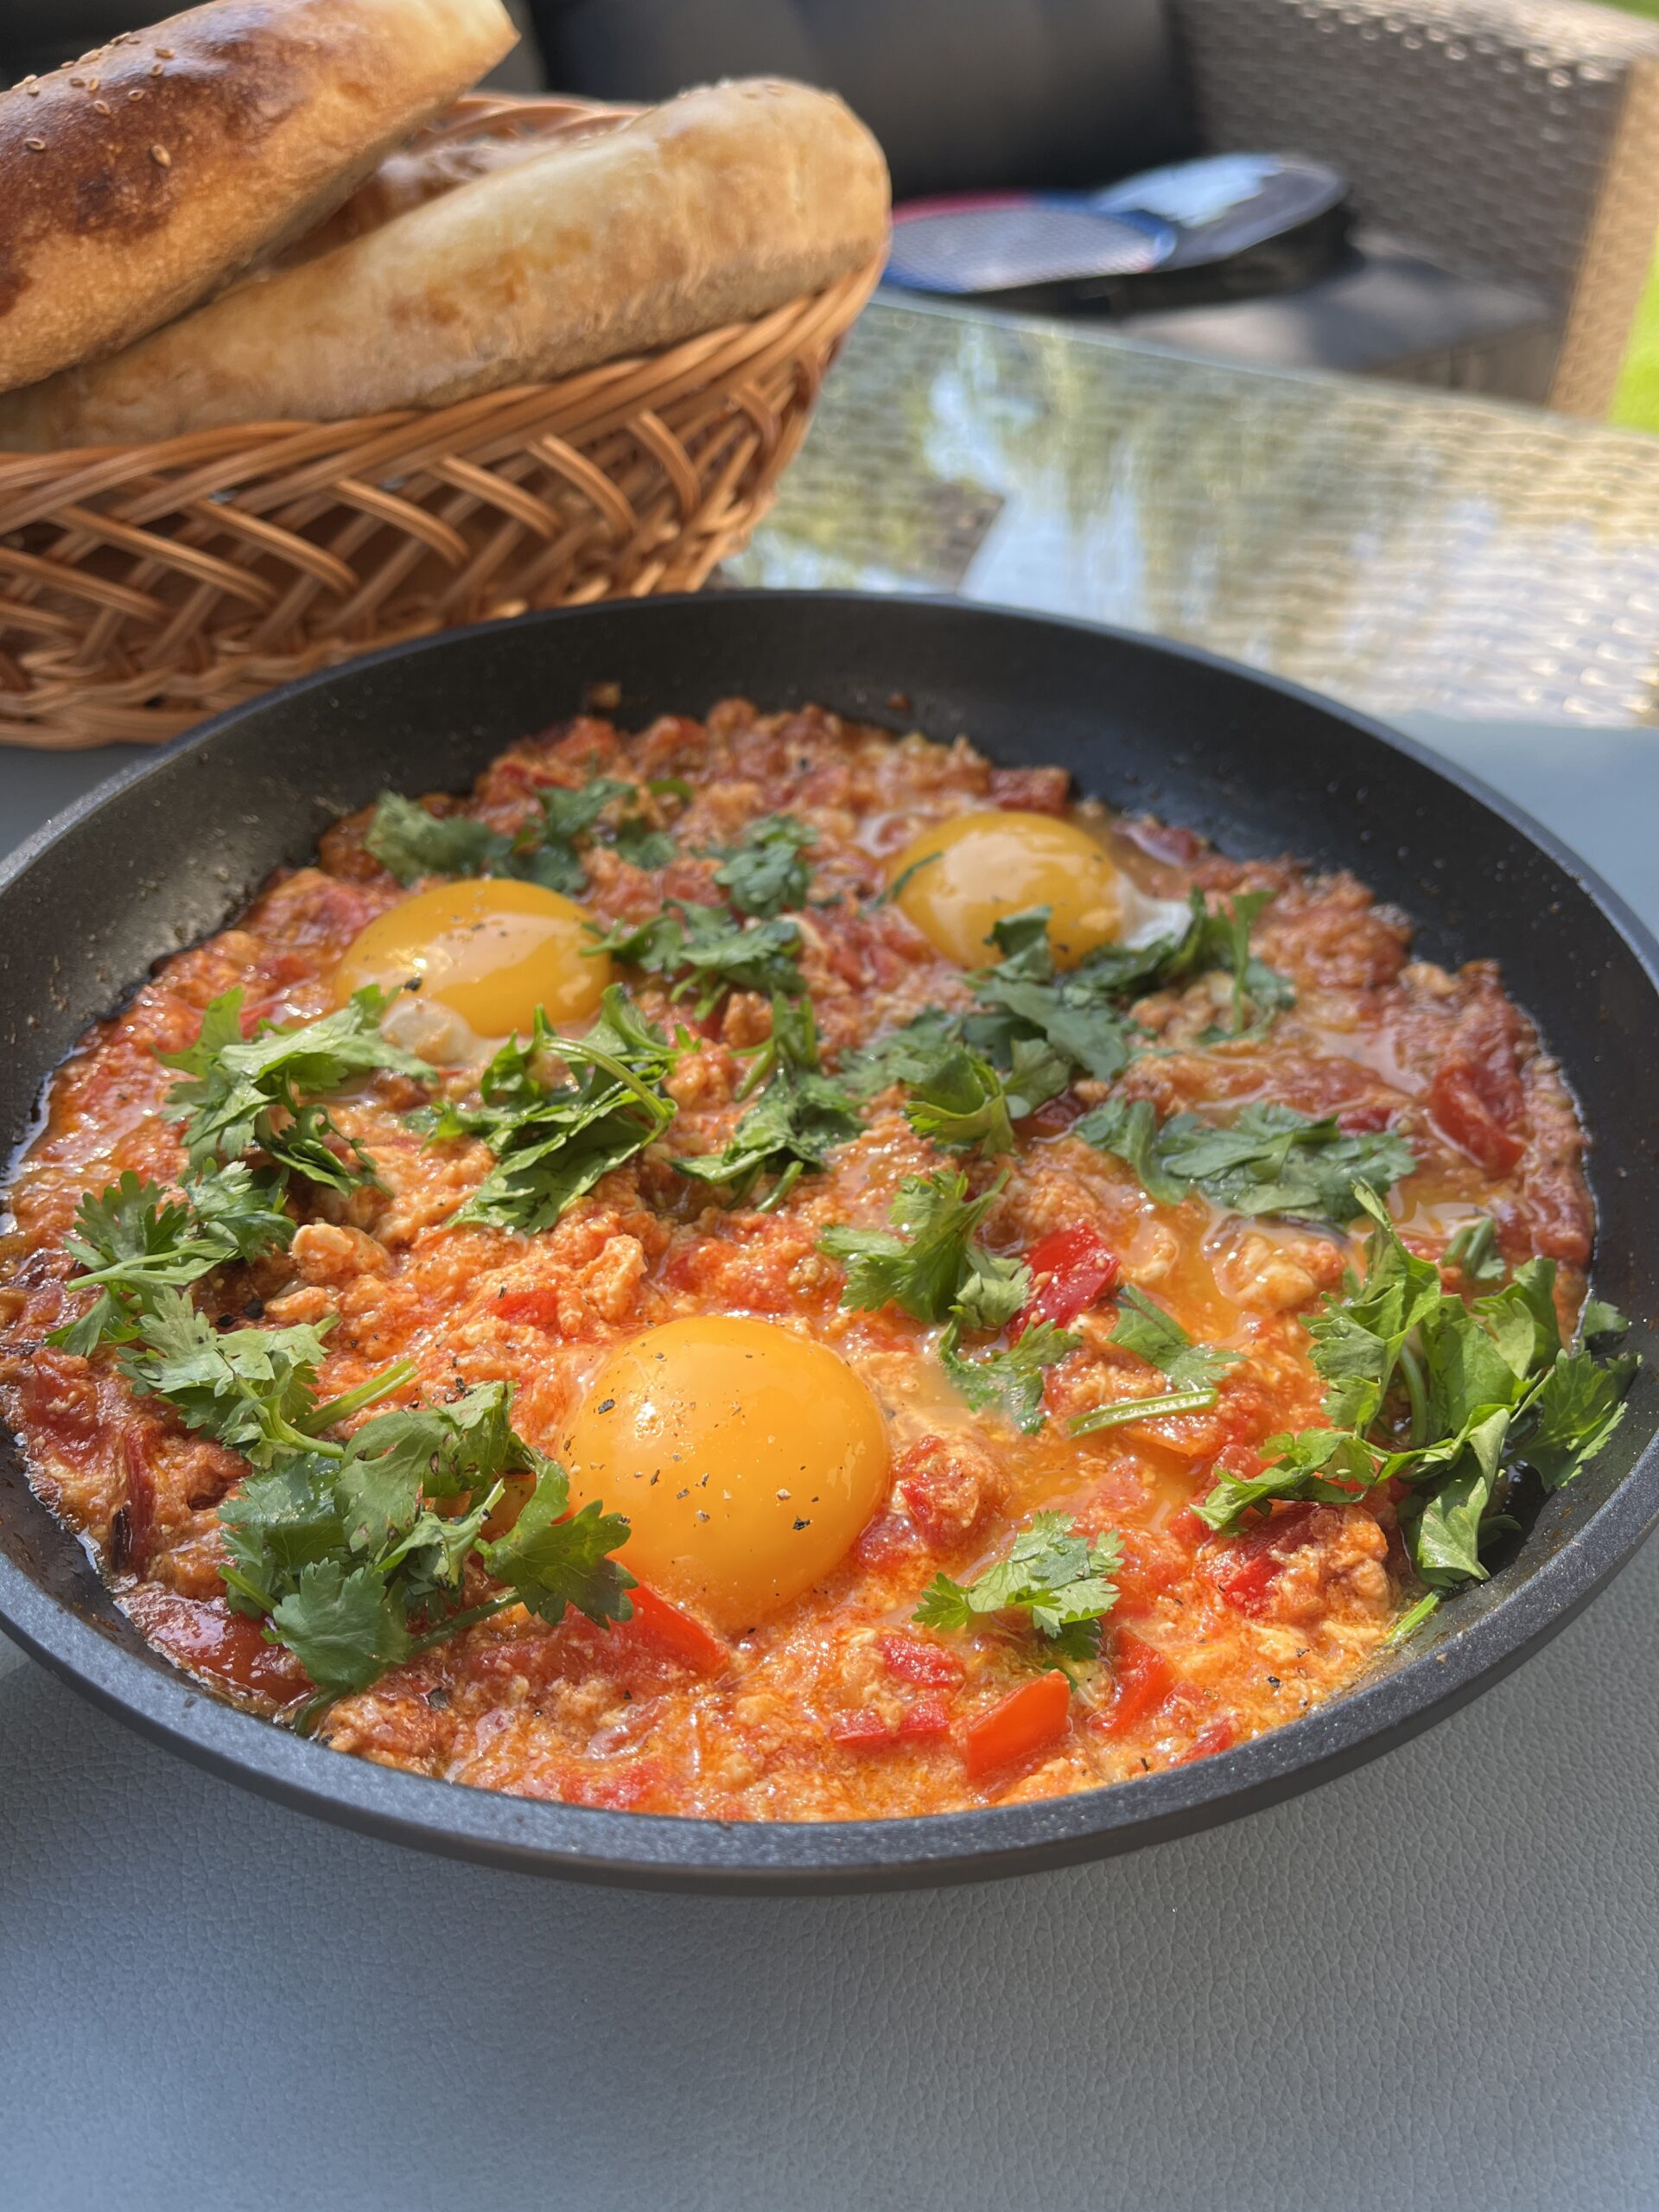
839,1706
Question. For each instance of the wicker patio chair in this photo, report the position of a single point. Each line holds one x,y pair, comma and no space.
1512,138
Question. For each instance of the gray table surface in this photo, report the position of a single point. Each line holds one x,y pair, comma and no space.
1435,1982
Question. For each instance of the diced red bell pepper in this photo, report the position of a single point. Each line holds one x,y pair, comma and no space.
677,1632
1073,1269
1142,1679
1027,1720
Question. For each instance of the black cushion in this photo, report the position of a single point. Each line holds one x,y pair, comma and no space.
963,94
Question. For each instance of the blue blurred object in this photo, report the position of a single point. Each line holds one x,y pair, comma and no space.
1011,240
1225,227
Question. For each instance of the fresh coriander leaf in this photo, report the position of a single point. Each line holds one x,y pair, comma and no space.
993,1291
551,1561
548,853
1272,1159
1473,1251
1144,1328
960,1102
1011,1379
241,1092
928,1267
343,1625
907,1055
553,1143
1598,1318
346,1561
764,872
1575,1409
1522,1318
1444,1537
709,952
1329,1464
1129,1130
639,841
251,1388
799,1117
131,1241
1224,942
409,844
1357,1339
1057,1577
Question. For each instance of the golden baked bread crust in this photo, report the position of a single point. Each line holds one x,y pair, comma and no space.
135,181
723,204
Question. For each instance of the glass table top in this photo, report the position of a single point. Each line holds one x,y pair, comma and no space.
1401,549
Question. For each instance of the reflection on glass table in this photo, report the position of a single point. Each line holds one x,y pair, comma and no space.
1400,549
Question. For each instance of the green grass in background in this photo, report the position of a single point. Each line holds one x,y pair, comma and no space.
1636,404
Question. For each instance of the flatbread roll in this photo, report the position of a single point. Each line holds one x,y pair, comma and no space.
134,182
409,179
726,203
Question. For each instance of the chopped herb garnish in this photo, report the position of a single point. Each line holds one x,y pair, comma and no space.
1452,1399
907,1055
553,1142
131,1241
960,1100
259,1092
798,1119
410,842
933,1269
1057,1577
1074,1016
1144,1328
1473,1252
764,872
338,1551
1270,1159
1010,1380
709,952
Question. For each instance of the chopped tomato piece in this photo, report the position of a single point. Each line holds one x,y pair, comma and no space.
1142,1679
678,1632
1217,1737
861,1731
1024,1721
1245,1570
919,1659
1365,1119
1073,1269
538,1303
1463,1116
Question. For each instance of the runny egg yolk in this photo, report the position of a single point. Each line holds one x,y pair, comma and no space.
490,952
972,872
747,1459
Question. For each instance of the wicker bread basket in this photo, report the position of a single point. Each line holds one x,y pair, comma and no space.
143,587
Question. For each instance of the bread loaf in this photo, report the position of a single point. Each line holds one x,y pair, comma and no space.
726,203
136,181
409,179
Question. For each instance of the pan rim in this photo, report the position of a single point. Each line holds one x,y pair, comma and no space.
682,1852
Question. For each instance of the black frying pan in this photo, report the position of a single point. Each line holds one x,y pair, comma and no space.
165,852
